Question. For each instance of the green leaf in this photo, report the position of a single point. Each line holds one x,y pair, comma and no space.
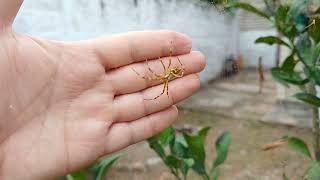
284,24
179,150
186,165
316,54
189,162
314,171
284,77
289,64
181,140
81,175
174,161
197,150
313,73
281,14
215,174
308,98
222,148
157,147
105,165
250,8
297,12
178,163
271,40
167,136
304,47
298,145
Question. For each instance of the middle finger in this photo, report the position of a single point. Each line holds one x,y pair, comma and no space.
125,81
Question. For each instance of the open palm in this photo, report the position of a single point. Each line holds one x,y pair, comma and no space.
64,104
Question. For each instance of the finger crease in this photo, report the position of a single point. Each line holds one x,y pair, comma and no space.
145,111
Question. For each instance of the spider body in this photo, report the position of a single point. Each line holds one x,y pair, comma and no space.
168,75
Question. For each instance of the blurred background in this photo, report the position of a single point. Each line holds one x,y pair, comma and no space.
238,93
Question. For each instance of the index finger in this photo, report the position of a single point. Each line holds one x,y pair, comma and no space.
128,48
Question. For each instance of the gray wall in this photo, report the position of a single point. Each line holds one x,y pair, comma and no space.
251,51
211,31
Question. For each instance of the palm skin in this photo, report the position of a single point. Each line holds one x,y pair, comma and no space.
64,105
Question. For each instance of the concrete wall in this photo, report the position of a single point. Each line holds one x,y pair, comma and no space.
210,30
251,51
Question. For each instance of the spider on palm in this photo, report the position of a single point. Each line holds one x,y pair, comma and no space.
168,74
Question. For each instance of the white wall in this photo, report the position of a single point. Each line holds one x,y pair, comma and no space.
251,51
210,30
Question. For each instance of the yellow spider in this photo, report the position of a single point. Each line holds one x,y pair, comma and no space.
168,74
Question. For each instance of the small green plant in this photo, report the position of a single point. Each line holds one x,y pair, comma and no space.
298,26
298,23
185,152
298,145
99,169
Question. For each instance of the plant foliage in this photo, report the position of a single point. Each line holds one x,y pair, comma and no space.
182,153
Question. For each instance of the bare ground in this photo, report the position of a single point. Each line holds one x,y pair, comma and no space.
233,105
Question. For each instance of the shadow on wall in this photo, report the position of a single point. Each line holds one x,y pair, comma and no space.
82,19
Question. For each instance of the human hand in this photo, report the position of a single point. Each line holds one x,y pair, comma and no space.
66,104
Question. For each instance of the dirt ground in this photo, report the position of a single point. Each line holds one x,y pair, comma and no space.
246,161
254,120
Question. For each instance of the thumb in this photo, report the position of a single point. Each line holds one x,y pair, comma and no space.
8,11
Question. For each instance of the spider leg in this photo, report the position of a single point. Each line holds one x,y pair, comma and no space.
170,61
164,67
167,82
163,91
150,68
180,63
143,77
177,76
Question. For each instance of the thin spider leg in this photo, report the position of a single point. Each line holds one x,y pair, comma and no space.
169,63
150,68
164,67
180,63
177,76
143,77
163,91
167,82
